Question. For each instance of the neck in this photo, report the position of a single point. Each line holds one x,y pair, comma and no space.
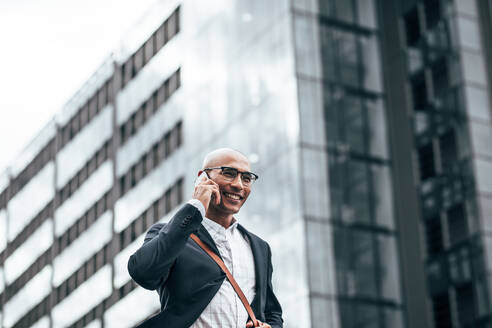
223,219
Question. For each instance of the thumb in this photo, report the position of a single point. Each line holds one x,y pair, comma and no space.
249,324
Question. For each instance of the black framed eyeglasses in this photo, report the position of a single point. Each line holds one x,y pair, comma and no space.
230,173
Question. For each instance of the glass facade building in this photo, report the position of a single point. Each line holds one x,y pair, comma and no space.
368,122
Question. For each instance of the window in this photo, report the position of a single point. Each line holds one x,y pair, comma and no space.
138,60
84,115
448,149
126,70
440,77
92,107
109,90
138,120
442,311
432,10
149,49
426,162
433,233
465,304
458,228
162,94
160,37
412,27
148,109
101,97
419,91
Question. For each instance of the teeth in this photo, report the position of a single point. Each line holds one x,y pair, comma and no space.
236,197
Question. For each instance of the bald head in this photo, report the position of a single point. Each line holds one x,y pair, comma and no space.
222,156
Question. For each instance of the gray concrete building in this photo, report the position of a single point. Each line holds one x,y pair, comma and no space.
368,122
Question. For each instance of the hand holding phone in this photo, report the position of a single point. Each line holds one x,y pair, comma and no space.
206,190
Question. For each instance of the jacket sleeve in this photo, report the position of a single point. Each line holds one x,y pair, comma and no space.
273,310
150,265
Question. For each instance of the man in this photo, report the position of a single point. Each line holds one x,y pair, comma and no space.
193,290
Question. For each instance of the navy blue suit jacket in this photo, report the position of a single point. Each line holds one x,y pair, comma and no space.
187,279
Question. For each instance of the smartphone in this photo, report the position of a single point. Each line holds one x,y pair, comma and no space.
202,177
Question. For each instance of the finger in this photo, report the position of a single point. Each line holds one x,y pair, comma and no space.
216,192
249,324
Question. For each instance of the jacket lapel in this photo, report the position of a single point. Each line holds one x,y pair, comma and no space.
204,236
260,267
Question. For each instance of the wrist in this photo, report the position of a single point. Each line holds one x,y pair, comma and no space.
199,205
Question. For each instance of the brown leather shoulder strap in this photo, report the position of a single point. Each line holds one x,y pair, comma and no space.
233,282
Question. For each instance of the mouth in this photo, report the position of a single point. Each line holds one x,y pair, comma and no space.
232,196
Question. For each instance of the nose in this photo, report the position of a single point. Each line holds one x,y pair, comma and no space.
237,182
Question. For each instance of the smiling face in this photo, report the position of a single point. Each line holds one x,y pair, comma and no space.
233,193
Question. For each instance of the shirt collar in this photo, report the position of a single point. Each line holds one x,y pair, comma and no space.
216,230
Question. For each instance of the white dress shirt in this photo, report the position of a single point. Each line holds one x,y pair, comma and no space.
225,310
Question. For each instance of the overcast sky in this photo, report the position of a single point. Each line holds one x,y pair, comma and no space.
49,49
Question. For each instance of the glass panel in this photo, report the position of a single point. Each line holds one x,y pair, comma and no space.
85,144
306,46
357,191
393,318
37,193
29,251
324,312
84,298
141,301
376,125
356,269
353,123
91,190
477,103
389,268
474,68
466,7
366,13
469,33
481,138
316,193
484,175
27,297
485,204
371,61
311,112
382,196
344,10
321,258
348,63
91,241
